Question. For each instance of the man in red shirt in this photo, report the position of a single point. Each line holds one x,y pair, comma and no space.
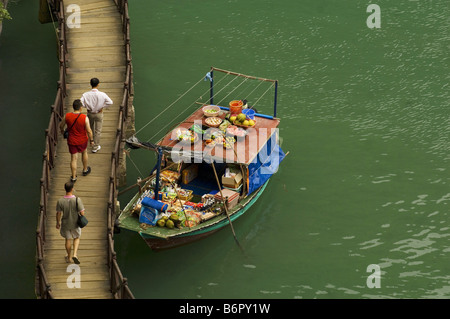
79,134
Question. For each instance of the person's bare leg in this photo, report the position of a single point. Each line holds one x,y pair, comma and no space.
84,158
76,244
68,249
73,164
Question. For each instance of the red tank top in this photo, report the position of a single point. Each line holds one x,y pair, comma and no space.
77,134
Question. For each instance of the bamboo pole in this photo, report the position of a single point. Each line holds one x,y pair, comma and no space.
243,75
225,205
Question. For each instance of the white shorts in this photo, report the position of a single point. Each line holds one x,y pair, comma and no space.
72,233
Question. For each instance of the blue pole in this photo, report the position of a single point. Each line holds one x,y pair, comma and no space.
158,170
211,93
275,100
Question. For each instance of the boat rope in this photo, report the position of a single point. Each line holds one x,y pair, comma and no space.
134,164
170,105
173,103
53,22
232,90
273,84
216,93
247,97
165,126
195,102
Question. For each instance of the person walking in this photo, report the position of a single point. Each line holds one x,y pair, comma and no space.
67,210
79,134
95,101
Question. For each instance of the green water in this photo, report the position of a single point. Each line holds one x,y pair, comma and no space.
364,118
28,73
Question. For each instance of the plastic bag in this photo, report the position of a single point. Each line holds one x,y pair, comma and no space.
148,215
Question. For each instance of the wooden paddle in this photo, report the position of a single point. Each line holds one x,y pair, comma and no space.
225,205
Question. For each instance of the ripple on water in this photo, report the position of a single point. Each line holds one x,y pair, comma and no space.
371,243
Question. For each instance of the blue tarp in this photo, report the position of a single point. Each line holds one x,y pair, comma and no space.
265,164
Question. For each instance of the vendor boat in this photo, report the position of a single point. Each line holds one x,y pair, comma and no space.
211,168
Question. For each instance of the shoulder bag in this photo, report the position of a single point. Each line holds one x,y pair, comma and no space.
82,220
66,131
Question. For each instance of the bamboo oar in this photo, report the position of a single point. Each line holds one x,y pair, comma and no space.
225,205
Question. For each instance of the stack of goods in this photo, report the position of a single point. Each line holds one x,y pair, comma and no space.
232,178
232,197
169,176
179,219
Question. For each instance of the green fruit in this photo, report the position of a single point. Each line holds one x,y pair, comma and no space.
161,222
170,223
233,118
241,117
246,123
174,217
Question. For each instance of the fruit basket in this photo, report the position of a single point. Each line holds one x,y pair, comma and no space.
185,194
213,121
241,120
241,124
211,110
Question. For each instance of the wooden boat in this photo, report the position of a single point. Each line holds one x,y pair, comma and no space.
202,183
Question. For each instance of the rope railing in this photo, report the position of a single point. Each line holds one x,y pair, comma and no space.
119,284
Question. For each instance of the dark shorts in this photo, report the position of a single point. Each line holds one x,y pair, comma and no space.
73,149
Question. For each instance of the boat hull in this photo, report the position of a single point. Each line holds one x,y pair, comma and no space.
156,243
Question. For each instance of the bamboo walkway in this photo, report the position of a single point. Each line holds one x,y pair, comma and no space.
94,50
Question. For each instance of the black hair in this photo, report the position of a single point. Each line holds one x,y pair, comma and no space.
94,82
68,186
77,104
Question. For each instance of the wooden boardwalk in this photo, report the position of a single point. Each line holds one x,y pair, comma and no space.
96,49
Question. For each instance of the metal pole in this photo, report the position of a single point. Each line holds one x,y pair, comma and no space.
158,170
211,93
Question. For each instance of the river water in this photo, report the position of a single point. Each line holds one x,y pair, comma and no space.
364,116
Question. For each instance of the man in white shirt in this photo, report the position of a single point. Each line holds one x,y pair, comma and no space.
95,101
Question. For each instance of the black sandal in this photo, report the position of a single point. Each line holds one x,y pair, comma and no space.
87,171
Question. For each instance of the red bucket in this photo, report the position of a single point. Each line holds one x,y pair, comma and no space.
236,106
